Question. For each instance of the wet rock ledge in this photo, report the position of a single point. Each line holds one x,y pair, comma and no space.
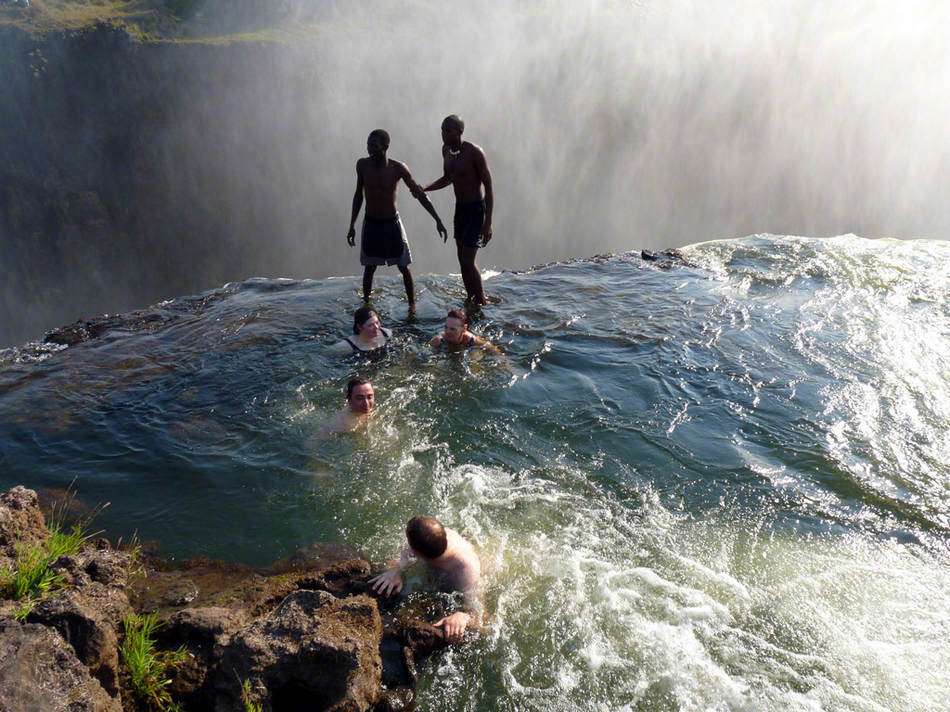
308,634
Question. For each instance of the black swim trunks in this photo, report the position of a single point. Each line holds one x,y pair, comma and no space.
383,242
469,221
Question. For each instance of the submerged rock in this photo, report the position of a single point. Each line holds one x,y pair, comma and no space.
665,258
88,329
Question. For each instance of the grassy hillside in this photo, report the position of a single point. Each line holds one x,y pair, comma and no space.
172,20
143,18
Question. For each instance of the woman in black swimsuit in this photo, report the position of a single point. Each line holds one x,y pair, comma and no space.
368,334
456,335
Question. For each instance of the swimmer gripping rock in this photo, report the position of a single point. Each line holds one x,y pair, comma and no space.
446,551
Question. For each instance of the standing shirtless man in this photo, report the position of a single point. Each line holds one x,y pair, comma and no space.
383,240
466,168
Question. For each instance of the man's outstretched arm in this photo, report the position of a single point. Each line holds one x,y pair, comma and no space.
442,182
484,174
390,581
455,625
419,193
357,204
438,184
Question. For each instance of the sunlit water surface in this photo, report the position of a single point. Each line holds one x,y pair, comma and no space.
718,486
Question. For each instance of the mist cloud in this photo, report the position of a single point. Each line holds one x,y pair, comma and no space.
609,126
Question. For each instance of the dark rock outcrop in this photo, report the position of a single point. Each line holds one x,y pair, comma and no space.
89,611
665,259
314,651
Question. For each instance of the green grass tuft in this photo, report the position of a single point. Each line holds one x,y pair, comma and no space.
247,697
30,579
148,667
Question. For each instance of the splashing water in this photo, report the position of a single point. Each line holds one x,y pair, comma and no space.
717,486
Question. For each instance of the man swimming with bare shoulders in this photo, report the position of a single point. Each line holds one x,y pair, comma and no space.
383,240
446,551
360,400
457,337
464,166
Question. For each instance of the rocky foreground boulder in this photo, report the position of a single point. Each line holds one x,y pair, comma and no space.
307,634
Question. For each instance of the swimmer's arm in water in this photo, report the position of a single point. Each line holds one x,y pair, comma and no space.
469,618
487,346
390,581
341,348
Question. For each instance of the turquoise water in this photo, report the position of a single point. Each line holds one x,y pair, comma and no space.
718,486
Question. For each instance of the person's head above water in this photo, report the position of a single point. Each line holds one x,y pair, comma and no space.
456,324
366,318
360,396
427,537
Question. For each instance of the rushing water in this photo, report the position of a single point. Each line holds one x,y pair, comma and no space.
719,486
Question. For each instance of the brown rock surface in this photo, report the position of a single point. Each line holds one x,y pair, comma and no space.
314,651
307,634
40,671
21,523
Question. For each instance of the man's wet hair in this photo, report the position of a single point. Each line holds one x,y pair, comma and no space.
354,382
457,314
455,120
427,536
383,136
361,316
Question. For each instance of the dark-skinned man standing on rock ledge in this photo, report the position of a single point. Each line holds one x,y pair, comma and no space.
383,240
466,168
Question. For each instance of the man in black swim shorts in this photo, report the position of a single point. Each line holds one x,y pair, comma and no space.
466,168
469,221
383,240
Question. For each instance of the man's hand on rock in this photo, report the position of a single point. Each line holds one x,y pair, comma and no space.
454,626
388,582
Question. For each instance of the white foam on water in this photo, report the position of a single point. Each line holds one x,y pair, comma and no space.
601,604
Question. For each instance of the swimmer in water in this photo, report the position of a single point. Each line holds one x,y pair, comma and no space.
447,552
457,337
360,400
368,334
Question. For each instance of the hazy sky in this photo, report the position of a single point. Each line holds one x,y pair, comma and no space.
612,126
